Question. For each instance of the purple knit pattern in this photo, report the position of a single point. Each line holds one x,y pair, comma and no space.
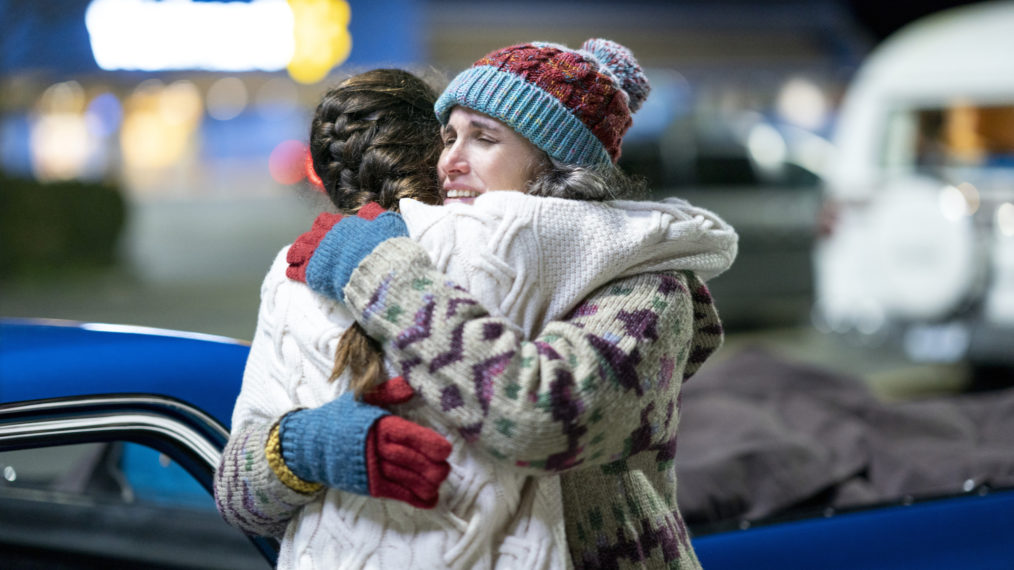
668,535
619,534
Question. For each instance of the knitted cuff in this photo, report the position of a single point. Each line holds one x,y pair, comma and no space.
341,250
273,451
328,444
528,110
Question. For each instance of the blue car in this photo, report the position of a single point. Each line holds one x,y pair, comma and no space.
109,436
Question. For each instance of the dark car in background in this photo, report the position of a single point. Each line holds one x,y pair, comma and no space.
773,200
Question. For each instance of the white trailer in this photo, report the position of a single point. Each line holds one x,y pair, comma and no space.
919,244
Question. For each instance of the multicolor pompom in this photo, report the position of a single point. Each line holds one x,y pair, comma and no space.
621,63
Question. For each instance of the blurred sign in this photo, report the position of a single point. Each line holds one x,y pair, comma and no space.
150,35
307,37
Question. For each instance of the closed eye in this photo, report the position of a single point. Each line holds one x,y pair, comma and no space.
448,135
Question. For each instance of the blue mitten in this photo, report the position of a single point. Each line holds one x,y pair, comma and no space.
344,246
362,449
326,444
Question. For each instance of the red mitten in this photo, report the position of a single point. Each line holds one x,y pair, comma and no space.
394,391
304,246
406,462
370,211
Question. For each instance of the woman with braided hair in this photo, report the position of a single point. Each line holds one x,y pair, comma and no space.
550,418
374,140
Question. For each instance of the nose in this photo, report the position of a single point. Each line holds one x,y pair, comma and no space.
453,160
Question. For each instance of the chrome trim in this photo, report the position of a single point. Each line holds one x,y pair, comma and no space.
154,331
169,428
123,329
92,403
50,421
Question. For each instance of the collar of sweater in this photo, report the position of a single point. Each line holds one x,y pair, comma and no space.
533,258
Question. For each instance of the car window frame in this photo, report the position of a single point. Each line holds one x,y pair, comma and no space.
186,434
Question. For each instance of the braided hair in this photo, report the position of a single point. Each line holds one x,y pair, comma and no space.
374,138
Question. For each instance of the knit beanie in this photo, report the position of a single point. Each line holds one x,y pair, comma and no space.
573,104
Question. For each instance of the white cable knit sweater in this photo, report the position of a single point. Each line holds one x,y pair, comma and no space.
530,259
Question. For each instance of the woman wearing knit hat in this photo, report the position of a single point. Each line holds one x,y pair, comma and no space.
592,399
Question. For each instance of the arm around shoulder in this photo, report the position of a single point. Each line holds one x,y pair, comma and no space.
591,389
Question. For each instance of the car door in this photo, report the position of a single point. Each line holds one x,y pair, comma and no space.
115,481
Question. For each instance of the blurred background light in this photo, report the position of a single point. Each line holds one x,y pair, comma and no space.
971,196
952,203
322,39
1005,219
158,130
962,133
287,162
64,97
222,36
180,103
142,142
59,145
946,343
59,139
959,201
15,152
103,115
226,98
767,147
802,103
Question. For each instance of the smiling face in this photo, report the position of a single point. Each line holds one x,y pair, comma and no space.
482,154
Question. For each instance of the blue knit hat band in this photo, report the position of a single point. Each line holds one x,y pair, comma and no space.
530,111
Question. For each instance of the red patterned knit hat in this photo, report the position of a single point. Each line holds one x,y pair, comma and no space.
573,104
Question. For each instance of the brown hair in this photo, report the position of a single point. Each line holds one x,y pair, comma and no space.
374,138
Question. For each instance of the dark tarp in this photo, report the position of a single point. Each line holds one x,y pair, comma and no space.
760,435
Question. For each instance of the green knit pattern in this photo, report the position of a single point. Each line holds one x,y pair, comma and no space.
248,493
594,398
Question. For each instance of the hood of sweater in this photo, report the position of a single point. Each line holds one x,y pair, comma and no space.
532,259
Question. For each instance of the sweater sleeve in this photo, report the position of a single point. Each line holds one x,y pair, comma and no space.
590,390
248,492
